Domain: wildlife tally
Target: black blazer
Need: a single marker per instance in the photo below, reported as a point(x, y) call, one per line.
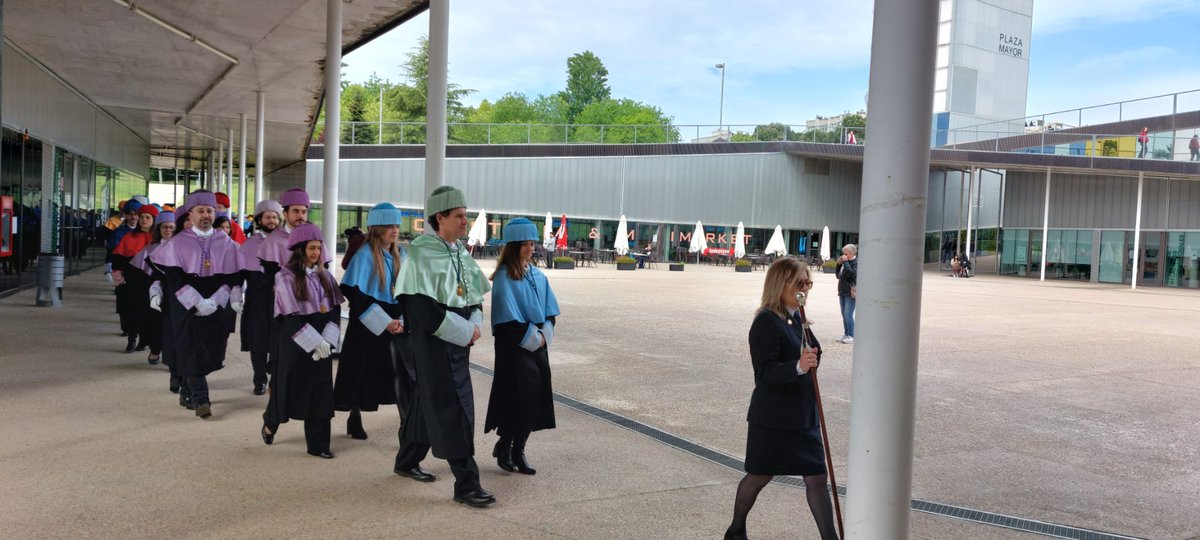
point(847, 274)
point(782, 398)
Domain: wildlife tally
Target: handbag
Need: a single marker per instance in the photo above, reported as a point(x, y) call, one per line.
point(854, 291)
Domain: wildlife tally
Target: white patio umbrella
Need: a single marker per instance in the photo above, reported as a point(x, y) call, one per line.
point(775, 245)
point(548, 232)
point(739, 242)
point(621, 244)
point(825, 245)
point(699, 243)
point(477, 236)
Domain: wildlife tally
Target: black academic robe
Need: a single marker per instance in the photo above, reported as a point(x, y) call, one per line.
point(442, 411)
point(199, 341)
point(269, 270)
point(522, 398)
point(258, 311)
point(365, 376)
point(302, 388)
point(152, 322)
point(133, 296)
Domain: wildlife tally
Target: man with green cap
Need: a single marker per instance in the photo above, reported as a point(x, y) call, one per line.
point(441, 289)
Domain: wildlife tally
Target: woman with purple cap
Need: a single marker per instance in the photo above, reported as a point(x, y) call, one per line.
point(308, 307)
point(132, 290)
point(260, 295)
point(152, 324)
point(200, 276)
point(376, 347)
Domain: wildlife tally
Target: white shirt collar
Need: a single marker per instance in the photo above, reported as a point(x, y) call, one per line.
point(311, 270)
point(204, 234)
point(287, 228)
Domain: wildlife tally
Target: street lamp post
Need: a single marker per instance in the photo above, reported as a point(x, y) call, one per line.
point(721, 117)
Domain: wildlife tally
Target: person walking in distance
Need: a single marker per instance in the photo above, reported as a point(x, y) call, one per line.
point(847, 274)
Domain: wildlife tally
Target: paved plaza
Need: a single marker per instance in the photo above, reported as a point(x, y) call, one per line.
point(1064, 403)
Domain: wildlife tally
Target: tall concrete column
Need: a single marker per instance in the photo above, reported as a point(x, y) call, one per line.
point(1045, 228)
point(209, 184)
point(229, 167)
point(219, 184)
point(970, 211)
point(1137, 234)
point(435, 104)
point(333, 101)
point(260, 146)
point(890, 270)
point(241, 201)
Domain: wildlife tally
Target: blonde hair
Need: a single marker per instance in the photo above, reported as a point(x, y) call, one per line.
point(377, 245)
point(782, 273)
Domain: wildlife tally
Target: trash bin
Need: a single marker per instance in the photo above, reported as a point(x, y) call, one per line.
point(51, 269)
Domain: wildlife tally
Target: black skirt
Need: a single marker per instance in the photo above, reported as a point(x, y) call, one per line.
point(784, 451)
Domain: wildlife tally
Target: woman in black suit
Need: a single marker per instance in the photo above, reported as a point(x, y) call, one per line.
point(783, 436)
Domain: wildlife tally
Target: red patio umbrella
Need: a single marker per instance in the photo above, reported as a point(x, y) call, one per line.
point(561, 239)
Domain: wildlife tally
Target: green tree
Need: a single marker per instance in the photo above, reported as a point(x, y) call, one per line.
point(587, 83)
point(773, 132)
point(356, 128)
point(410, 100)
point(623, 121)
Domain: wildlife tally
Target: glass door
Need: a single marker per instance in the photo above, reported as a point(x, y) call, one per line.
point(1151, 259)
point(1112, 248)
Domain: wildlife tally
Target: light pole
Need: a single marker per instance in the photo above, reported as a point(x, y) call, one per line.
point(721, 117)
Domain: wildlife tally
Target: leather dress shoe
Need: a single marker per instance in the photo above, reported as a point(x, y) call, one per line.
point(204, 410)
point(267, 437)
point(260, 389)
point(416, 473)
point(478, 498)
point(323, 455)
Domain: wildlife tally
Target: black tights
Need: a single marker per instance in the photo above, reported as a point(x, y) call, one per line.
point(819, 503)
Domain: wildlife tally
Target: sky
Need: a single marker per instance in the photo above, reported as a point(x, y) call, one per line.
point(786, 60)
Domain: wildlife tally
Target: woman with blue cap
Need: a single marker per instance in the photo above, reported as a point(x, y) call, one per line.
point(366, 376)
point(308, 307)
point(524, 311)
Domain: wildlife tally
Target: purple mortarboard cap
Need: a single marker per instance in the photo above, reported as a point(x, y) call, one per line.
point(304, 233)
point(201, 197)
point(268, 206)
point(294, 197)
point(164, 217)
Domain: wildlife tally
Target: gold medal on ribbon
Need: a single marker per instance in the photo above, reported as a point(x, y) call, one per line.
point(207, 264)
point(461, 292)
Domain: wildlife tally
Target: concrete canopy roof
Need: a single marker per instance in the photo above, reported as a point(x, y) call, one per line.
point(154, 80)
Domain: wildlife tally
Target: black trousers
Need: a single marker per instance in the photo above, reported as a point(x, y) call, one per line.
point(466, 472)
point(197, 388)
point(258, 361)
point(316, 432)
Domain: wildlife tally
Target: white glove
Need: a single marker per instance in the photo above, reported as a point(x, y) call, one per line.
point(109, 276)
point(237, 306)
point(156, 303)
point(321, 352)
point(206, 307)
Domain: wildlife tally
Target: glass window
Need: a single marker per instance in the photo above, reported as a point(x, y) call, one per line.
point(943, 56)
point(943, 33)
point(945, 10)
point(1112, 250)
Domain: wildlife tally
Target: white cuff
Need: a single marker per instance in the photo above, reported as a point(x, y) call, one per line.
point(330, 333)
point(532, 340)
point(455, 329)
point(548, 333)
point(188, 296)
point(307, 338)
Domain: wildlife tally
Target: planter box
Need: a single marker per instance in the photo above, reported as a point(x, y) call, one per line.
point(677, 267)
point(570, 265)
point(825, 270)
point(626, 266)
point(742, 268)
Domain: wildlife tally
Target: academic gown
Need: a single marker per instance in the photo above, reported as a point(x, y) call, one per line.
point(133, 296)
point(258, 309)
point(366, 378)
point(442, 411)
point(199, 341)
point(302, 388)
point(151, 331)
point(522, 398)
point(273, 254)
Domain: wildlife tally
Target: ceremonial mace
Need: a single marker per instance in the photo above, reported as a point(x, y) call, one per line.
point(837, 506)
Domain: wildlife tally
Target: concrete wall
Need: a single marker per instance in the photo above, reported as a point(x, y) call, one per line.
point(1101, 202)
point(762, 190)
point(52, 112)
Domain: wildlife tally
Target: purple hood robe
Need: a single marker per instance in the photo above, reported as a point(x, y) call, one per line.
point(188, 252)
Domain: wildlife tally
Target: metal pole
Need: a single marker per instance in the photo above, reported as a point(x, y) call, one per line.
point(241, 208)
point(958, 232)
point(260, 146)
point(379, 138)
point(220, 167)
point(1137, 234)
point(435, 104)
point(229, 177)
point(892, 224)
point(970, 210)
point(721, 116)
point(1045, 226)
point(333, 99)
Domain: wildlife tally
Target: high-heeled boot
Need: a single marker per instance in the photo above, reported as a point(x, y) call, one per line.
point(518, 454)
point(503, 453)
point(354, 426)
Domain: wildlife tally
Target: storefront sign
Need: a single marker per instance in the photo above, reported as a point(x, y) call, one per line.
point(1011, 45)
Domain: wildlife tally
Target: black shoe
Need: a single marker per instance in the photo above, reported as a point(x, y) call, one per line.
point(185, 401)
point(140, 346)
point(518, 455)
point(267, 437)
point(152, 360)
point(416, 473)
point(478, 498)
point(354, 426)
point(323, 455)
point(204, 410)
point(731, 535)
point(503, 454)
point(173, 386)
point(260, 389)
point(130, 344)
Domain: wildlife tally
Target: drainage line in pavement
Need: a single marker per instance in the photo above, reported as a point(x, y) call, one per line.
point(957, 512)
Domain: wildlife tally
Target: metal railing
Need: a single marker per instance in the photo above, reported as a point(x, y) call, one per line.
point(1119, 111)
point(1167, 145)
